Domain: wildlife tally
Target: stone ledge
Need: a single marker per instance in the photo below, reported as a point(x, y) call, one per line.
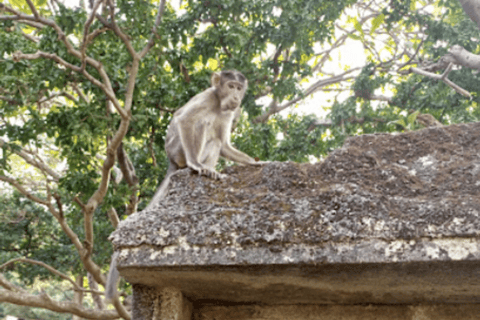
point(387, 219)
point(436, 312)
point(368, 251)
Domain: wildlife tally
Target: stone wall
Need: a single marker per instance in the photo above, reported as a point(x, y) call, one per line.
point(385, 224)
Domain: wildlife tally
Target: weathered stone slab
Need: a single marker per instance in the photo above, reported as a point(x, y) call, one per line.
point(311, 312)
point(385, 219)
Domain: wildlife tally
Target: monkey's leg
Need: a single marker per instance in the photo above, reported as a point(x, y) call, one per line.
point(193, 140)
point(162, 189)
point(209, 158)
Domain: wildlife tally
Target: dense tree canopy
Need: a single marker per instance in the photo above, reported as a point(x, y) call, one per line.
point(87, 92)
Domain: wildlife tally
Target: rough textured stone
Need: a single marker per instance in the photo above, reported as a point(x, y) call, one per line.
point(384, 219)
point(173, 306)
point(143, 301)
point(310, 312)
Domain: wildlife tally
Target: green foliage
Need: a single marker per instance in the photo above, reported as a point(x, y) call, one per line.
point(413, 93)
point(205, 36)
point(28, 230)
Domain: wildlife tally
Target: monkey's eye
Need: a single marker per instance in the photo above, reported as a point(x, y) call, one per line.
point(231, 86)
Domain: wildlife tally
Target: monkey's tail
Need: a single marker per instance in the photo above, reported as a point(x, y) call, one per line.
point(112, 279)
point(162, 190)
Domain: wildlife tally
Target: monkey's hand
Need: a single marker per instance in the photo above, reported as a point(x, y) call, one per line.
point(211, 174)
point(260, 163)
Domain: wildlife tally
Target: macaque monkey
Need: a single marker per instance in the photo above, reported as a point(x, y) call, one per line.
point(199, 132)
point(197, 136)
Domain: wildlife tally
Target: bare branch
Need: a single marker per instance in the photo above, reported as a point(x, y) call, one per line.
point(45, 302)
point(443, 78)
point(119, 31)
point(86, 27)
point(20, 188)
point(42, 166)
point(80, 93)
point(31, 23)
point(60, 94)
point(34, 10)
point(461, 56)
point(51, 269)
point(116, 170)
point(340, 41)
point(310, 90)
point(412, 57)
point(95, 33)
point(30, 37)
point(88, 263)
point(79, 202)
point(447, 71)
point(17, 56)
point(10, 286)
point(106, 86)
point(158, 19)
point(78, 295)
point(95, 296)
point(113, 216)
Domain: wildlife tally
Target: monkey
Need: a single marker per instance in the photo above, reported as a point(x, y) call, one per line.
point(198, 134)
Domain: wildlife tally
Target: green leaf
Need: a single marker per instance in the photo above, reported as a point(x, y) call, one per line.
point(411, 118)
point(398, 122)
point(354, 36)
point(377, 21)
point(358, 26)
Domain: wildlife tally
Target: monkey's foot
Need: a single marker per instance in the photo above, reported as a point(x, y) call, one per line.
point(209, 173)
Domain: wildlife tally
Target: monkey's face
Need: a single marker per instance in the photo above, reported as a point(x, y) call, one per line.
point(232, 95)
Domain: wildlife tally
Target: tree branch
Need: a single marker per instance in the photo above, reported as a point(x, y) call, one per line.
point(158, 19)
point(45, 302)
point(17, 56)
point(119, 31)
point(30, 160)
point(105, 86)
point(10, 286)
point(34, 10)
point(310, 90)
point(113, 216)
point(52, 270)
point(442, 77)
point(22, 190)
point(86, 27)
point(95, 296)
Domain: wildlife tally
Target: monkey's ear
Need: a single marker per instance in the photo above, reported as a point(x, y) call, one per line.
point(215, 79)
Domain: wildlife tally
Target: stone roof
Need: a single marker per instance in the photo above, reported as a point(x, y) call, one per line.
point(380, 199)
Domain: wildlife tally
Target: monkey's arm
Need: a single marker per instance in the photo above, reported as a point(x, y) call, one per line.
point(233, 154)
point(162, 189)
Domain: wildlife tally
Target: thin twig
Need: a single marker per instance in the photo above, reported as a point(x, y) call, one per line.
point(443, 78)
point(52, 270)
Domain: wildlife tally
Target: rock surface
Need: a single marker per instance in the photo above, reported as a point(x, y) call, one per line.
point(411, 198)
